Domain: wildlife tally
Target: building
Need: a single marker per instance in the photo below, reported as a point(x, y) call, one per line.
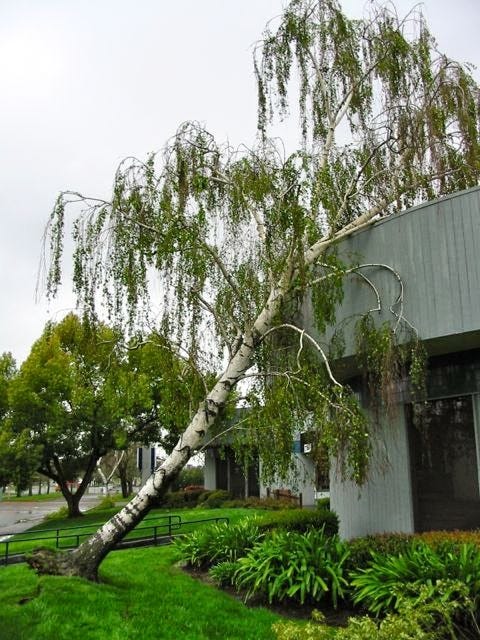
point(224, 471)
point(148, 457)
point(428, 478)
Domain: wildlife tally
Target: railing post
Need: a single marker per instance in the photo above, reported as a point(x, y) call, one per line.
point(6, 553)
point(155, 534)
point(56, 542)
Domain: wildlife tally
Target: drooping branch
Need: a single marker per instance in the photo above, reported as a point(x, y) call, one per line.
point(358, 271)
point(219, 322)
point(218, 436)
point(178, 351)
point(312, 340)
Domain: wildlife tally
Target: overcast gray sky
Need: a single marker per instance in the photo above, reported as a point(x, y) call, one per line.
point(84, 84)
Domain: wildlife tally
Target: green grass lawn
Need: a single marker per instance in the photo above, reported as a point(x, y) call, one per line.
point(93, 518)
point(142, 595)
point(53, 495)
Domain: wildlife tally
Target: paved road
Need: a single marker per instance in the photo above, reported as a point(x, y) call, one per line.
point(16, 517)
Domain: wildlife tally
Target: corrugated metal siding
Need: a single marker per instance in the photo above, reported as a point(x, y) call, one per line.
point(472, 250)
point(209, 472)
point(384, 503)
point(436, 250)
point(302, 480)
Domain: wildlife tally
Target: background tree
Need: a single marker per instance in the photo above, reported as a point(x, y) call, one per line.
point(7, 373)
point(80, 399)
point(174, 385)
point(18, 456)
point(84, 393)
point(121, 466)
point(107, 467)
point(240, 237)
point(189, 475)
point(127, 471)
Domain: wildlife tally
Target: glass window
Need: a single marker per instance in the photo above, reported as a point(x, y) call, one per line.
point(444, 465)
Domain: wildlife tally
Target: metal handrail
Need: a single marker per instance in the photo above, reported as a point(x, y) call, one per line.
point(173, 524)
point(84, 526)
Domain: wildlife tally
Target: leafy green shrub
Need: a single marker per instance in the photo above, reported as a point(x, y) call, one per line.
point(107, 502)
point(223, 573)
point(362, 628)
point(448, 608)
point(55, 515)
point(188, 476)
point(449, 540)
point(203, 496)
point(389, 579)
point(414, 621)
point(182, 499)
point(216, 499)
point(300, 520)
point(323, 503)
point(192, 496)
point(299, 567)
point(362, 549)
point(173, 500)
point(317, 629)
point(271, 504)
point(218, 543)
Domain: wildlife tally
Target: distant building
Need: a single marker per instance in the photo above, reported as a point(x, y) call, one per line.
point(224, 471)
point(148, 458)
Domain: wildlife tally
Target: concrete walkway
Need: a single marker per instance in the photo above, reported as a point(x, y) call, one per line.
point(16, 517)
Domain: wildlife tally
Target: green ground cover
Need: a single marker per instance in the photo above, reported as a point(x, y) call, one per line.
point(89, 522)
point(142, 595)
point(424, 587)
point(53, 495)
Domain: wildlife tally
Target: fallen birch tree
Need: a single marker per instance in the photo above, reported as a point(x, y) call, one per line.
point(239, 237)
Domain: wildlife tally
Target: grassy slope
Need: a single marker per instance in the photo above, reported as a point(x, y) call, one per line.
point(101, 515)
point(43, 497)
point(94, 517)
point(142, 596)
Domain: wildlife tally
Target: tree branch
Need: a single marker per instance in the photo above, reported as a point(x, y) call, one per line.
point(302, 332)
point(222, 433)
point(221, 327)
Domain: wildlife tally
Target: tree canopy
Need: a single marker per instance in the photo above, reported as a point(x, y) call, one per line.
point(82, 392)
point(239, 237)
point(18, 456)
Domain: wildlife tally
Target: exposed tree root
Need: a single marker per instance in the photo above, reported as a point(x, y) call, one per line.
point(50, 562)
